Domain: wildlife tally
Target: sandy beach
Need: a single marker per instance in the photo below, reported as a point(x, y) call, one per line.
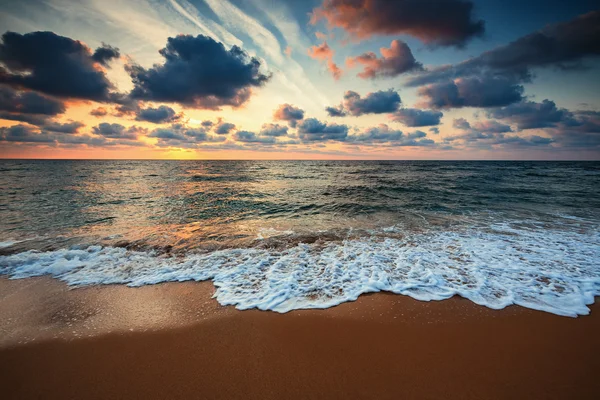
point(174, 341)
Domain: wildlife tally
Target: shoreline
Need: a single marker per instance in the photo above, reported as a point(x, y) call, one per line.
point(175, 341)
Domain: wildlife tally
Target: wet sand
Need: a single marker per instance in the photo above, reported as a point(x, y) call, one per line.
point(172, 341)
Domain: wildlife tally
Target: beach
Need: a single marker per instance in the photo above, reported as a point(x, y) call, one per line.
point(174, 341)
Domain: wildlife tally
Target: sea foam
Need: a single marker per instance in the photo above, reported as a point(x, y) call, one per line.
point(543, 269)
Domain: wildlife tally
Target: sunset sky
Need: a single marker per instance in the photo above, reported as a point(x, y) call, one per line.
point(311, 79)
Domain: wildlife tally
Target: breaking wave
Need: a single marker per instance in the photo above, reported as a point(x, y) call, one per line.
point(556, 271)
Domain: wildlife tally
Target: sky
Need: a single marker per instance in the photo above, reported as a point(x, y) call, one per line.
point(311, 79)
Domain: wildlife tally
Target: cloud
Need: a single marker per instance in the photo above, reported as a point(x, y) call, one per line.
point(532, 115)
point(461, 123)
point(62, 127)
point(99, 112)
point(251, 137)
point(160, 115)
point(580, 131)
point(324, 53)
point(396, 60)
point(335, 71)
point(103, 55)
point(569, 129)
point(54, 65)
point(311, 129)
point(474, 91)
point(493, 134)
point(481, 126)
point(198, 72)
point(379, 102)
point(384, 134)
point(289, 113)
point(440, 23)
point(321, 52)
point(274, 130)
point(25, 134)
point(482, 140)
point(320, 35)
point(223, 128)
point(33, 119)
point(35, 109)
point(117, 131)
point(562, 45)
point(29, 134)
point(336, 111)
point(417, 117)
point(29, 103)
point(180, 135)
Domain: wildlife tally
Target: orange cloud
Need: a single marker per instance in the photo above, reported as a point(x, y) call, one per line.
point(325, 53)
point(396, 60)
point(335, 70)
point(321, 52)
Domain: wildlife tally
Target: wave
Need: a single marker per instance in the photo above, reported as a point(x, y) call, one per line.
point(548, 270)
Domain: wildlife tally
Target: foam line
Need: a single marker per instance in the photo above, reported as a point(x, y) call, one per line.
point(542, 269)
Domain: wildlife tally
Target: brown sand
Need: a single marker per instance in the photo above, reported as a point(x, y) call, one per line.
point(382, 346)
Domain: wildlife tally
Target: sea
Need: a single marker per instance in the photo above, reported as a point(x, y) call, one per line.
point(287, 235)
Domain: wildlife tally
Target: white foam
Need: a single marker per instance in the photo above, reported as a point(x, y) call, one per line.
point(553, 271)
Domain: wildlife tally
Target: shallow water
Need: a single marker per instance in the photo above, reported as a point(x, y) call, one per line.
point(282, 235)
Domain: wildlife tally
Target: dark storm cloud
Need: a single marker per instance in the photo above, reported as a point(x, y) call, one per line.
point(198, 72)
point(54, 65)
point(571, 129)
point(379, 102)
point(311, 129)
point(384, 134)
point(417, 117)
point(29, 103)
point(289, 113)
point(435, 22)
point(532, 115)
point(105, 54)
point(117, 131)
point(274, 130)
point(223, 128)
point(580, 131)
point(473, 91)
point(33, 119)
point(493, 134)
point(562, 45)
point(160, 115)
point(394, 61)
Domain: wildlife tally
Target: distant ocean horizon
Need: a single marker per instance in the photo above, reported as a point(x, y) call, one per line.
point(292, 234)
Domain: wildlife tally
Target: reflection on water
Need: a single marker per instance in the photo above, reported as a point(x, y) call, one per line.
point(215, 204)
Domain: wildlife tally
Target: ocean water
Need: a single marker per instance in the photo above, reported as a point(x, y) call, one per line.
point(285, 235)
